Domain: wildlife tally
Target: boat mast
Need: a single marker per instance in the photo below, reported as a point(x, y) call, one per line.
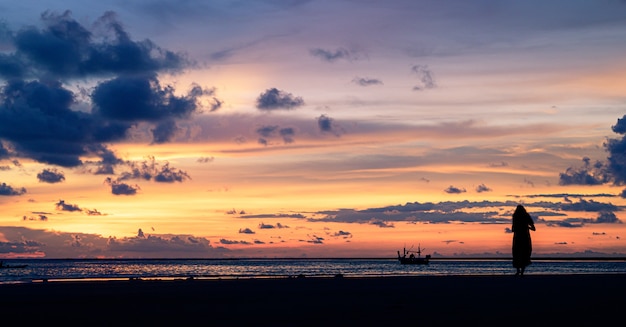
point(419, 250)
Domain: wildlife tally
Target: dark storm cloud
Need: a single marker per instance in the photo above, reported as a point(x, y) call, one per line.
point(65, 48)
point(6, 35)
point(142, 98)
point(164, 131)
point(51, 175)
point(274, 99)
point(37, 115)
point(620, 126)
point(588, 174)
point(617, 153)
point(10, 190)
point(36, 119)
point(11, 66)
point(425, 75)
point(600, 172)
point(108, 159)
point(362, 81)
point(4, 153)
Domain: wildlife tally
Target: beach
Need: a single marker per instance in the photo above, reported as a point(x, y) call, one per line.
point(531, 300)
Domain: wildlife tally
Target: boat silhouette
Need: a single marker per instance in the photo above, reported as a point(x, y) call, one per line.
point(412, 259)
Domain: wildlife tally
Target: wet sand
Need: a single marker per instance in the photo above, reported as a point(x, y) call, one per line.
point(532, 300)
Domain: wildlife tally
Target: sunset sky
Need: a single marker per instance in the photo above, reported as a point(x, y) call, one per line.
point(297, 128)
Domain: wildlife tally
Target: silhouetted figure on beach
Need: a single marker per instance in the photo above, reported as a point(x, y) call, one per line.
point(522, 244)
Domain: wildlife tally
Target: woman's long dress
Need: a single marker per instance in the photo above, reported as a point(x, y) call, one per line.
point(522, 244)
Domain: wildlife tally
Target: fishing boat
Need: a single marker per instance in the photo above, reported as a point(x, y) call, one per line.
point(412, 259)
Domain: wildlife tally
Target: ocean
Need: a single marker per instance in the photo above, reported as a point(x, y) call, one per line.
point(39, 270)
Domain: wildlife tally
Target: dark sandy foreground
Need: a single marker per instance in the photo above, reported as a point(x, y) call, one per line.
point(571, 300)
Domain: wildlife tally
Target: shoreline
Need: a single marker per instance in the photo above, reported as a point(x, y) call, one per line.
point(172, 278)
point(492, 300)
point(280, 277)
point(436, 258)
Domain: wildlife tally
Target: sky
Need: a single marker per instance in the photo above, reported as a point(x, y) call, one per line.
point(311, 128)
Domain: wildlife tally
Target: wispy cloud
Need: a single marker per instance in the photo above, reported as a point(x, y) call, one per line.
point(335, 55)
point(365, 81)
point(425, 76)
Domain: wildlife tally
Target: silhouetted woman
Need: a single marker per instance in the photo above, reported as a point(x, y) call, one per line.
point(522, 245)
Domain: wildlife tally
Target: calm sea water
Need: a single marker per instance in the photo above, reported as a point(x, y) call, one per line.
point(59, 270)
